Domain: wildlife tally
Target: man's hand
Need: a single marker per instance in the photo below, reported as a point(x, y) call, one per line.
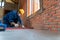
point(16, 25)
point(12, 23)
point(23, 26)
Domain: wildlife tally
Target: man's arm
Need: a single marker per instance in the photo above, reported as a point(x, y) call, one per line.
point(20, 21)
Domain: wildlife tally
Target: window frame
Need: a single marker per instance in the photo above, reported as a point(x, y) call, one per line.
point(41, 6)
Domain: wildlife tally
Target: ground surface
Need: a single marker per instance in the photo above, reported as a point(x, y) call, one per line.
point(29, 34)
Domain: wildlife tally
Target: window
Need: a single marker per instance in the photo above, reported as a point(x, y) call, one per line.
point(1, 3)
point(32, 6)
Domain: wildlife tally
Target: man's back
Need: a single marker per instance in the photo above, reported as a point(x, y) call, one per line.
point(10, 17)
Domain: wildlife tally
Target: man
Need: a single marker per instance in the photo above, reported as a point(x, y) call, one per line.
point(12, 19)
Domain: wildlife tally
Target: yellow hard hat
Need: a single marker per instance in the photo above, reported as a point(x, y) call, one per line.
point(21, 11)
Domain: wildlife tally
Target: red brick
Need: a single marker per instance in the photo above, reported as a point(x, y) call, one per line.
point(49, 18)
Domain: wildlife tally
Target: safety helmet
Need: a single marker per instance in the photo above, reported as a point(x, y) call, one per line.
point(21, 11)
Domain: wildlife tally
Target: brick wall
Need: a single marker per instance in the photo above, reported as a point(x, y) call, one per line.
point(50, 18)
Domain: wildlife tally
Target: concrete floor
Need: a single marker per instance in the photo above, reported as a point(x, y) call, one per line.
point(29, 34)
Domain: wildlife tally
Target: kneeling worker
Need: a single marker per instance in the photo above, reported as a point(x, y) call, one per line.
point(12, 19)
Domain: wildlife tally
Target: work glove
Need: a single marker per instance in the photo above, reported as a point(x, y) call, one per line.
point(23, 26)
point(16, 25)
